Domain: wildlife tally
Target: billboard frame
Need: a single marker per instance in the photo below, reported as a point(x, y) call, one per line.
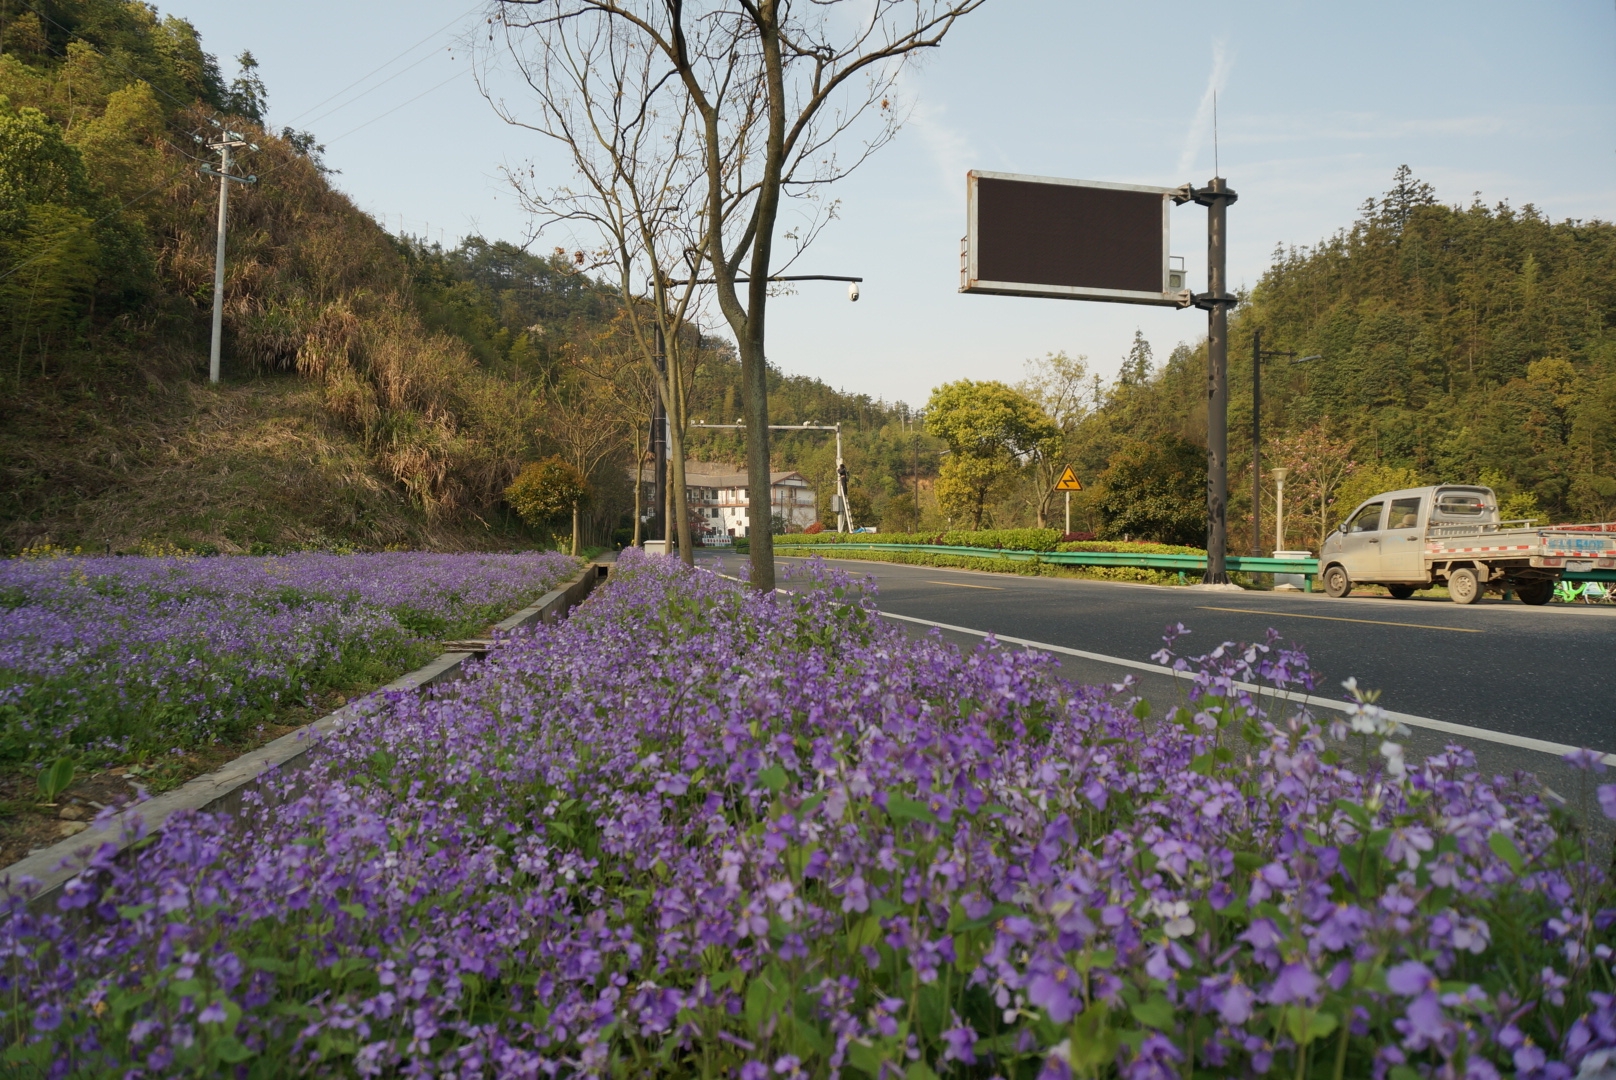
point(971, 282)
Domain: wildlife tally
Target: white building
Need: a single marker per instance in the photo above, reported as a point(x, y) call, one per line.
point(717, 497)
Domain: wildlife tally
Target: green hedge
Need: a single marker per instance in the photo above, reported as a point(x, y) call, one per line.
point(1133, 547)
point(1001, 539)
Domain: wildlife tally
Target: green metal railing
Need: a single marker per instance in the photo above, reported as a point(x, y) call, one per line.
point(1307, 568)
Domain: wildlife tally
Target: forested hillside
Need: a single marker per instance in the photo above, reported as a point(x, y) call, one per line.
point(381, 391)
point(1458, 343)
point(376, 391)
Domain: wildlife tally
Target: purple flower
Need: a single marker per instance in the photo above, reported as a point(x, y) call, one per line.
point(959, 1043)
point(1607, 799)
point(1585, 760)
point(1295, 982)
point(47, 1017)
point(1409, 978)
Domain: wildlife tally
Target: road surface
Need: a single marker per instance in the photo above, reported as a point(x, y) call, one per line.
point(1510, 671)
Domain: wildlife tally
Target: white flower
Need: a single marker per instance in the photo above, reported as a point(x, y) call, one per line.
point(1393, 753)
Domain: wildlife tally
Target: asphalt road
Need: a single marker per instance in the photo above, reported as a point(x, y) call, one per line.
point(1543, 673)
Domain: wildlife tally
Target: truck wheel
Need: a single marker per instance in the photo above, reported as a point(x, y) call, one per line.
point(1463, 586)
point(1535, 593)
point(1336, 582)
point(1400, 592)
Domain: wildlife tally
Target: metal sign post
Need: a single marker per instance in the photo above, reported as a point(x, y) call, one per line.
point(1067, 484)
point(1089, 240)
point(1216, 197)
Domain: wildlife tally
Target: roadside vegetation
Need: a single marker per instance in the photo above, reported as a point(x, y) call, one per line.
point(675, 844)
point(160, 666)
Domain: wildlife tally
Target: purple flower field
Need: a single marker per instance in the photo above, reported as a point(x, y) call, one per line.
point(105, 657)
point(693, 831)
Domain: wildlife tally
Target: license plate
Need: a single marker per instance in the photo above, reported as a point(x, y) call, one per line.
point(1579, 565)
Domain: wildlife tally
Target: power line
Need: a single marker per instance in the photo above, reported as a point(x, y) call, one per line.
point(373, 89)
point(400, 105)
point(384, 66)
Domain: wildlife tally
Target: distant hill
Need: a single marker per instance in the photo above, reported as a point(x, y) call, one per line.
point(1459, 343)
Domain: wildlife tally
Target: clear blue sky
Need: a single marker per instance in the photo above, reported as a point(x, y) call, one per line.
point(1317, 105)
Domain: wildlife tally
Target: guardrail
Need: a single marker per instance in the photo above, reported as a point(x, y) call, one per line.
point(1307, 568)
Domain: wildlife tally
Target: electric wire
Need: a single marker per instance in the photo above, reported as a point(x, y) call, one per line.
point(208, 161)
point(384, 66)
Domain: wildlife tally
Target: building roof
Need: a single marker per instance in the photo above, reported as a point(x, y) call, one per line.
point(720, 475)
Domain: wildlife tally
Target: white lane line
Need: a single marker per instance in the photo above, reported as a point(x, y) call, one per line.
point(1337, 618)
point(1522, 742)
point(962, 585)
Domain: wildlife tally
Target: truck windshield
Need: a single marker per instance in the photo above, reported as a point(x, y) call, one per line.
point(1461, 504)
point(1367, 519)
point(1405, 514)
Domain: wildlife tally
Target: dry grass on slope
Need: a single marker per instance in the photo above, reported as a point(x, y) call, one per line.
point(259, 465)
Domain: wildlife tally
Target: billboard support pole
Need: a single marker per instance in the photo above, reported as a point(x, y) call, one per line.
point(1216, 197)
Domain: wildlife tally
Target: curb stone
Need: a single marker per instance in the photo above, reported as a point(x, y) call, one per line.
point(223, 788)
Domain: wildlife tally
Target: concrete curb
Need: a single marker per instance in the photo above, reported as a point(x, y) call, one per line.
point(222, 789)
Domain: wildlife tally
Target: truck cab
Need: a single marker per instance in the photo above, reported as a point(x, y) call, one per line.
point(1382, 542)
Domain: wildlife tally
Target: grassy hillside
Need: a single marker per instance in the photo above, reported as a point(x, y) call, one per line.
point(254, 465)
point(344, 418)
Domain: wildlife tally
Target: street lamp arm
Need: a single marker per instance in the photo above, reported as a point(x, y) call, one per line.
point(777, 277)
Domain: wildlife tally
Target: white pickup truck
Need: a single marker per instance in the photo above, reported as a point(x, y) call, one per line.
point(1450, 534)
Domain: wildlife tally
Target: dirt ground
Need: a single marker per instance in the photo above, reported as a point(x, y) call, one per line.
point(29, 823)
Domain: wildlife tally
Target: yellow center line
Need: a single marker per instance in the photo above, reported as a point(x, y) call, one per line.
point(1335, 618)
point(962, 585)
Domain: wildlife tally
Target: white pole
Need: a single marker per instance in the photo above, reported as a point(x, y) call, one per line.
point(218, 264)
point(1068, 495)
point(1279, 511)
point(844, 517)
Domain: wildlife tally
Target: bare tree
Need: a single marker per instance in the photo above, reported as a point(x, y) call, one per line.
point(585, 424)
point(1055, 384)
point(635, 211)
point(774, 85)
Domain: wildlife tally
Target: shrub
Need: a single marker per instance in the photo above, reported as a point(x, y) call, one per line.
point(546, 492)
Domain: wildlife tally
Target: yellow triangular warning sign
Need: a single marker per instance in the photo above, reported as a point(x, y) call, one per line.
point(1068, 481)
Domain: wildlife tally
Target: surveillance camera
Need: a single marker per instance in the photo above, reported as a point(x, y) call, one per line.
point(852, 292)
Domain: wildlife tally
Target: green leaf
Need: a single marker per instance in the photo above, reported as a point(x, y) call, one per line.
point(356, 910)
point(228, 1048)
point(919, 1070)
point(1306, 1026)
point(867, 932)
point(55, 778)
point(1155, 1012)
point(902, 809)
point(765, 997)
point(1503, 846)
point(865, 1058)
point(774, 778)
point(1141, 709)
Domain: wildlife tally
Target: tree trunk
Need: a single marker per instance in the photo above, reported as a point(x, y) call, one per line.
point(575, 536)
point(639, 486)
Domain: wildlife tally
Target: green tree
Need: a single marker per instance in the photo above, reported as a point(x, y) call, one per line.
point(1139, 364)
point(546, 492)
point(1155, 491)
point(990, 430)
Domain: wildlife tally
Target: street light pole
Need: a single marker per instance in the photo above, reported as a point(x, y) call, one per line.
point(1258, 354)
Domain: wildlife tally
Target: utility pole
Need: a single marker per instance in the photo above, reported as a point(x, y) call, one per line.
point(844, 515)
point(228, 140)
point(1256, 442)
point(1216, 197)
point(1258, 354)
